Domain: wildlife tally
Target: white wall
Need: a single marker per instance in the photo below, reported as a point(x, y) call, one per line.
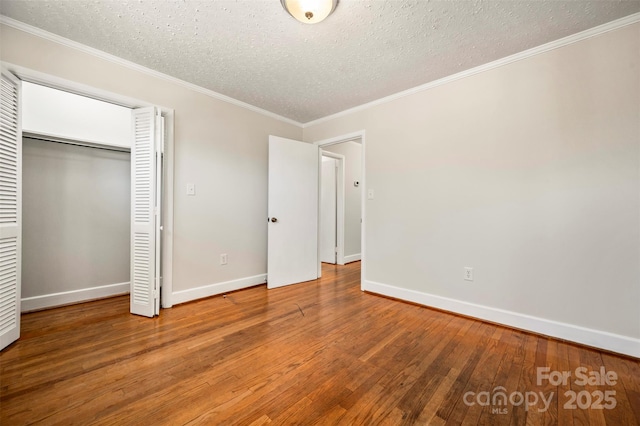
point(352, 152)
point(75, 223)
point(61, 114)
point(220, 147)
point(530, 174)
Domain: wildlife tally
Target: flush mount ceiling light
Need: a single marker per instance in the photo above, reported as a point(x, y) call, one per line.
point(309, 11)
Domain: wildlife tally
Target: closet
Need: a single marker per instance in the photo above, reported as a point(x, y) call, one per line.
point(76, 151)
point(76, 198)
point(75, 217)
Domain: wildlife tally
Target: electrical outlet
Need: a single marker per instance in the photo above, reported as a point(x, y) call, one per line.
point(223, 259)
point(468, 273)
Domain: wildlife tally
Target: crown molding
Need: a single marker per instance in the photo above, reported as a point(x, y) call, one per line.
point(583, 35)
point(10, 22)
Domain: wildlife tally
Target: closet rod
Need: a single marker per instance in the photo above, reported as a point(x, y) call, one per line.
point(65, 141)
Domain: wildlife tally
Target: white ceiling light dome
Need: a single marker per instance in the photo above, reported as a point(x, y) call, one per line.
point(309, 11)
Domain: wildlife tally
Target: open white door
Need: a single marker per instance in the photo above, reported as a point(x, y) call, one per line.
point(145, 161)
point(328, 210)
point(292, 255)
point(10, 209)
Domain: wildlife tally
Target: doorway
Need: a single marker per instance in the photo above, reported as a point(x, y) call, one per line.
point(293, 208)
point(352, 148)
point(347, 160)
point(76, 193)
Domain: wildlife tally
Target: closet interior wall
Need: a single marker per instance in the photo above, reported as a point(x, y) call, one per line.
point(76, 222)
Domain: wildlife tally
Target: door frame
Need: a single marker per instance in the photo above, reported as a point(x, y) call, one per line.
point(350, 137)
point(43, 79)
point(340, 190)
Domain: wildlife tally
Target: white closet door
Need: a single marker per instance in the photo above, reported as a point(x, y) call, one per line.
point(144, 212)
point(10, 209)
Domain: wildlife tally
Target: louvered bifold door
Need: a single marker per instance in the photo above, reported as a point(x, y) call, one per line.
point(143, 211)
point(10, 210)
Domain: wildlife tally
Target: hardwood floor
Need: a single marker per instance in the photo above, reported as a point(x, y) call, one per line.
point(321, 352)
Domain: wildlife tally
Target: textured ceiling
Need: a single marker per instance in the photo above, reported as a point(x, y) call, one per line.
point(253, 51)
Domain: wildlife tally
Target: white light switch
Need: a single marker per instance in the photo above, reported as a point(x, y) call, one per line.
point(370, 194)
point(191, 189)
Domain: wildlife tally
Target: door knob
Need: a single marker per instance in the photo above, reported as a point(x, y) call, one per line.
point(274, 220)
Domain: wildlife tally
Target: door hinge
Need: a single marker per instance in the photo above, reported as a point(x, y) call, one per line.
point(336, 250)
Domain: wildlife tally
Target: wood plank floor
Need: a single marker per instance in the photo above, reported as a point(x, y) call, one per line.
point(321, 352)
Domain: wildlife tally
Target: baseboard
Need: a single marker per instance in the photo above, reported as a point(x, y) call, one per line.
point(45, 301)
point(352, 258)
point(183, 296)
point(594, 338)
